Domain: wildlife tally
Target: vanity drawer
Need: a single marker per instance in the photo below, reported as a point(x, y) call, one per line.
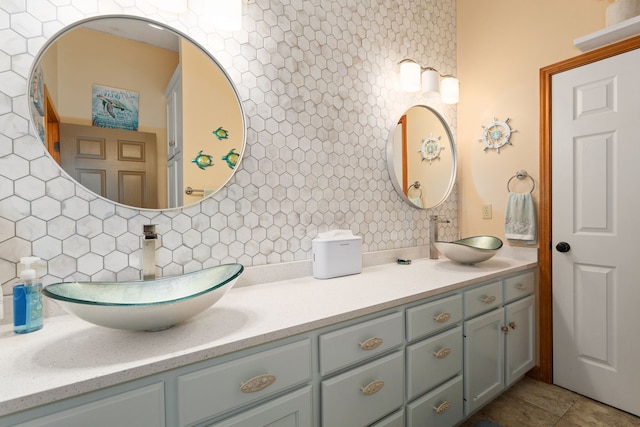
point(518, 286)
point(441, 407)
point(209, 392)
point(428, 318)
point(483, 298)
point(353, 344)
point(393, 420)
point(365, 394)
point(433, 361)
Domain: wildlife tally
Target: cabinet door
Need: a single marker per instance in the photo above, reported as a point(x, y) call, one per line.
point(519, 355)
point(483, 359)
point(291, 410)
point(141, 407)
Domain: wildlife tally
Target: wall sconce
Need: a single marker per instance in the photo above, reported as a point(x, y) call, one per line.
point(414, 77)
point(225, 14)
point(175, 6)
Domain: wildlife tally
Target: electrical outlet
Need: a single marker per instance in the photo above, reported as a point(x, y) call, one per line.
point(486, 211)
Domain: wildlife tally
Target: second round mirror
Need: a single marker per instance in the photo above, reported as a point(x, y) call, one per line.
point(421, 157)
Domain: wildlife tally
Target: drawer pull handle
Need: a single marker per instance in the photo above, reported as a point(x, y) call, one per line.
point(444, 407)
point(371, 343)
point(442, 353)
point(522, 287)
point(489, 299)
point(257, 383)
point(442, 317)
point(372, 388)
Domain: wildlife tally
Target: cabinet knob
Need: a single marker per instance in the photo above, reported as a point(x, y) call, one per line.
point(488, 299)
point(442, 317)
point(504, 329)
point(372, 388)
point(257, 383)
point(443, 407)
point(513, 325)
point(442, 353)
point(371, 343)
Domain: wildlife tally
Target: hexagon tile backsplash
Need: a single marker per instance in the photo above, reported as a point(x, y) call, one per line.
point(319, 84)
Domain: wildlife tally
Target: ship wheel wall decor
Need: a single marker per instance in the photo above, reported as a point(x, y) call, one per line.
point(496, 134)
point(431, 148)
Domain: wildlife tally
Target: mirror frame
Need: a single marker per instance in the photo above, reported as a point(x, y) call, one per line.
point(454, 159)
point(166, 27)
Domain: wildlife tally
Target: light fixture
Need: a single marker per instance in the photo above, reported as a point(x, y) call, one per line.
point(225, 14)
point(410, 75)
point(450, 90)
point(431, 83)
point(414, 77)
point(175, 6)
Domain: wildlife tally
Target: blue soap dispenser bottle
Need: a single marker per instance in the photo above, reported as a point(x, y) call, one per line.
point(27, 299)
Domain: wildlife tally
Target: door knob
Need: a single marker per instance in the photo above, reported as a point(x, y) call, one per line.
point(563, 247)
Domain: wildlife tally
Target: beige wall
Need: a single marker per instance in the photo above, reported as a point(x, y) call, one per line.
point(502, 44)
point(208, 103)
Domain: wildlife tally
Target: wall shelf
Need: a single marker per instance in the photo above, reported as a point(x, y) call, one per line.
point(608, 35)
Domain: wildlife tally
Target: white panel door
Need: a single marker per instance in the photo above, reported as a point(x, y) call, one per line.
point(595, 199)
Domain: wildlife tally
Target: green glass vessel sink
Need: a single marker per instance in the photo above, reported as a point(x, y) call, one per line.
point(149, 305)
point(471, 249)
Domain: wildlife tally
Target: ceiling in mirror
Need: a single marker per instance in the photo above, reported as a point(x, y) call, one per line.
point(137, 112)
point(421, 157)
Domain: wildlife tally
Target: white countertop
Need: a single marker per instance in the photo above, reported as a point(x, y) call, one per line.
point(69, 356)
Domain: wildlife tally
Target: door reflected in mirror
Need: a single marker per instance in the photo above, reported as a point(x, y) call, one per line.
point(421, 156)
point(136, 112)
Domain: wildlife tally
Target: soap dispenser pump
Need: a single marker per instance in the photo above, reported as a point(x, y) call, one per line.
point(27, 299)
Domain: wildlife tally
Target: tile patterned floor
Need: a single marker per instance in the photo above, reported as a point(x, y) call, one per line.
point(532, 403)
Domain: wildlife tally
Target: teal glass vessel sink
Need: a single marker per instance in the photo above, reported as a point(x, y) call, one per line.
point(471, 249)
point(149, 305)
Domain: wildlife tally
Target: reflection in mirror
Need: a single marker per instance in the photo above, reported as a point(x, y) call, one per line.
point(421, 156)
point(136, 112)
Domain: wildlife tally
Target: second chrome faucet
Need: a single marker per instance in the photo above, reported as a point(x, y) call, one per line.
point(434, 220)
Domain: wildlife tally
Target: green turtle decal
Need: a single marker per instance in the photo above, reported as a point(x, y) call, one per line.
point(231, 158)
point(203, 160)
point(221, 133)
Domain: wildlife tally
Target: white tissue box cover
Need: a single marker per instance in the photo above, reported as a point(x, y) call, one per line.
point(336, 253)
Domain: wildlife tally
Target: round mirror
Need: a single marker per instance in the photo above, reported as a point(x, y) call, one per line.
point(136, 112)
point(421, 157)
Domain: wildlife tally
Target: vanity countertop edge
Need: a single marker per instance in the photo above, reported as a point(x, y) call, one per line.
point(69, 357)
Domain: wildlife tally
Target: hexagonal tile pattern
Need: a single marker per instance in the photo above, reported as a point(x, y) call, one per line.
point(320, 91)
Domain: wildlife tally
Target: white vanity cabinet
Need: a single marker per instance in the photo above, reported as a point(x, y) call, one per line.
point(427, 362)
point(499, 343)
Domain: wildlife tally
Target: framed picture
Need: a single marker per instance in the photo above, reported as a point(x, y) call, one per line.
point(114, 108)
point(37, 91)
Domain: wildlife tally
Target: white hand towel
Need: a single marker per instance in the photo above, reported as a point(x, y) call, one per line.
point(417, 201)
point(520, 218)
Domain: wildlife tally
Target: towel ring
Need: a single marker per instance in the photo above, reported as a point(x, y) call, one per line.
point(522, 174)
point(415, 185)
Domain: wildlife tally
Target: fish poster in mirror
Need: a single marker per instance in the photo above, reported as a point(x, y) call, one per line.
point(138, 154)
point(421, 157)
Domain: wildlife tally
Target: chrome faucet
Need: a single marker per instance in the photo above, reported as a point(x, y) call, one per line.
point(149, 237)
point(434, 220)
